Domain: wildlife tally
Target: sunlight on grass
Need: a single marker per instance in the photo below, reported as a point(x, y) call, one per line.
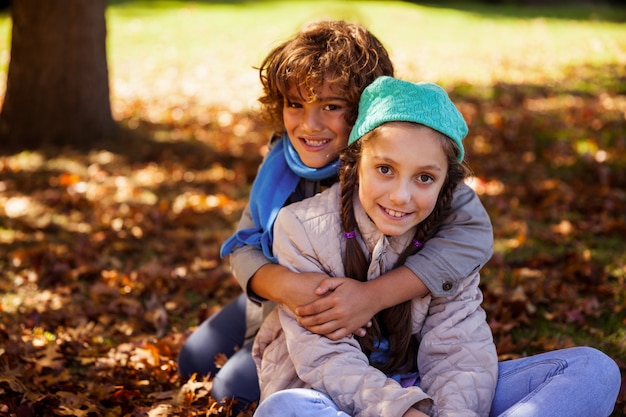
point(208, 51)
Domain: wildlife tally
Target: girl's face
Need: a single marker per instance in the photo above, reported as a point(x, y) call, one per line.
point(401, 173)
point(317, 130)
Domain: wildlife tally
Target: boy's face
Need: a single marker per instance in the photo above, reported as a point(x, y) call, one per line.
point(318, 129)
point(401, 173)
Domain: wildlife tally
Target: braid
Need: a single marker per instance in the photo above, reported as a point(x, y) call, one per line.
point(354, 260)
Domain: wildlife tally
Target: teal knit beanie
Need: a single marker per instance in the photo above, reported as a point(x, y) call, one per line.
point(392, 100)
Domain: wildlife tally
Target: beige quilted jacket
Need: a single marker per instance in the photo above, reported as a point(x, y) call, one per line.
point(457, 358)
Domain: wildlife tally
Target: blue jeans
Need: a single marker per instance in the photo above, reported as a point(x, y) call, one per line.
point(224, 332)
point(576, 382)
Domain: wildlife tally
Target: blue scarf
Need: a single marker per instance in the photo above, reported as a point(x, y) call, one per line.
point(276, 181)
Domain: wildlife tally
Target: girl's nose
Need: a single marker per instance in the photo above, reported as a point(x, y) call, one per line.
point(400, 193)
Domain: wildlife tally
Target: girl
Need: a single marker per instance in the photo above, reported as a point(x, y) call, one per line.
point(312, 84)
point(431, 355)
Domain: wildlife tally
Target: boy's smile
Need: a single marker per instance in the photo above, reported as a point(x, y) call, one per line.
point(317, 129)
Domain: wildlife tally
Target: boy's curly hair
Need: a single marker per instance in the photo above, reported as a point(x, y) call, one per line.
point(345, 55)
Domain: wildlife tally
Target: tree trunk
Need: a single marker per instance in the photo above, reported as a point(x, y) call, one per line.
point(58, 83)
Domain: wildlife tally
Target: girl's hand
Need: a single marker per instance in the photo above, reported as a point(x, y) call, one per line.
point(346, 307)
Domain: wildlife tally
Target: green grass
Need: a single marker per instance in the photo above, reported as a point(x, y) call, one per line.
point(216, 44)
point(441, 44)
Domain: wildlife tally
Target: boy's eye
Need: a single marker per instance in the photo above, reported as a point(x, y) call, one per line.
point(332, 107)
point(292, 104)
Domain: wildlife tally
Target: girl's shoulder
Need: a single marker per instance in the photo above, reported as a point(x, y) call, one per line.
point(324, 204)
point(314, 223)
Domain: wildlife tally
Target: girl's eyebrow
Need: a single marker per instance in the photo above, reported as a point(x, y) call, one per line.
point(430, 167)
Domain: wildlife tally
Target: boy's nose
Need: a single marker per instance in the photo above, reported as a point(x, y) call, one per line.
point(313, 121)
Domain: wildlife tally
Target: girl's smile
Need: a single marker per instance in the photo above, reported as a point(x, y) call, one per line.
point(394, 213)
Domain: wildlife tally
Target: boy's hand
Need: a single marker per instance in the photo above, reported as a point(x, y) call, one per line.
point(277, 283)
point(302, 289)
point(345, 308)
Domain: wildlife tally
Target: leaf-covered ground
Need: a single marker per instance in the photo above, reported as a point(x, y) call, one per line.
point(109, 258)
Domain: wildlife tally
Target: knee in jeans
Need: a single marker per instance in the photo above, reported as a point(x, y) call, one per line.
point(295, 399)
point(598, 362)
point(599, 367)
point(186, 365)
point(607, 366)
point(281, 400)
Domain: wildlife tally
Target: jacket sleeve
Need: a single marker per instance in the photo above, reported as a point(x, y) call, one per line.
point(337, 368)
point(246, 260)
point(463, 244)
point(457, 358)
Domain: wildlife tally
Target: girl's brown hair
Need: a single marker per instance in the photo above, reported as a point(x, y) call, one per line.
point(394, 322)
point(345, 55)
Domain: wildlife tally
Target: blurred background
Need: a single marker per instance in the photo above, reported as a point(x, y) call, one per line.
point(129, 139)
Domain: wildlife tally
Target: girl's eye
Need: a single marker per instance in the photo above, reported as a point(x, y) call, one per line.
point(425, 178)
point(384, 169)
point(332, 107)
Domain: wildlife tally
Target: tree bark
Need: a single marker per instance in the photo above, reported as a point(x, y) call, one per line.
point(58, 83)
